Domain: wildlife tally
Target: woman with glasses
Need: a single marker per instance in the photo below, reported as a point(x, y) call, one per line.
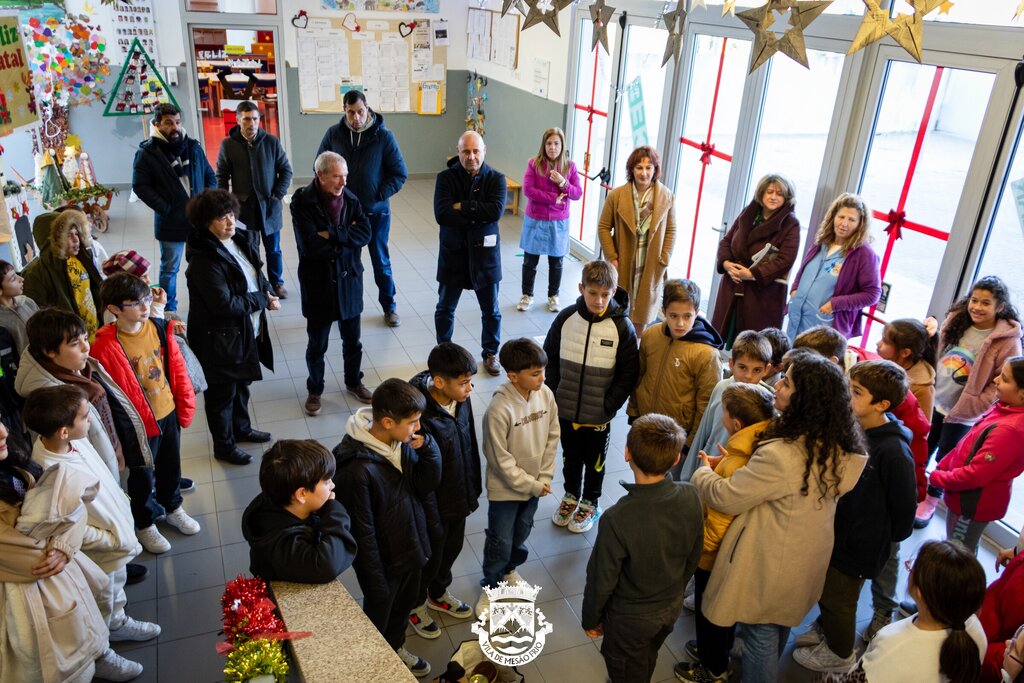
point(227, 323)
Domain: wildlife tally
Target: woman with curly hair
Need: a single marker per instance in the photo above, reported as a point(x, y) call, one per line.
point(784, 501)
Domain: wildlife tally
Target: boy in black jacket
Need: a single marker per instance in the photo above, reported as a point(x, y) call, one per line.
point(448, 417)
point(295, 528)
point(877, 513)
point(386, 476)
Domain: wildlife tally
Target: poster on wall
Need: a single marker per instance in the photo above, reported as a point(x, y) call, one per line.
point(134, 21)
point(432, 6)
point(17, 99)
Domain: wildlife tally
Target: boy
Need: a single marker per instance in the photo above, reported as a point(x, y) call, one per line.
point(295, 528)
point(745, 412)
point(143, 358)
point(877, 513)
point(826, 341)
point(60, 415)
point(520, 439)
point(780, 344)
point(385, 473)
point(593, 367)
point(448, 417)
point(635, 581)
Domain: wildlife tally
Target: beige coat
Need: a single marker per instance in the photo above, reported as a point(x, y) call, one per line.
point(617, 231)
point(771, 565)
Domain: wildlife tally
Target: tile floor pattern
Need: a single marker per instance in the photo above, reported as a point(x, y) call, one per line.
point(184, 586)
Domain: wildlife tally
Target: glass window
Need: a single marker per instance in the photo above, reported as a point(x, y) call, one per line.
point(233, 6)
point(846, 7)
point(990, 13)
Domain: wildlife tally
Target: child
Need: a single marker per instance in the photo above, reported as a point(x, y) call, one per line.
point(978, 474)
point(750, 360)
point(448, 417)
point(520, 439)
point(746, 411)
point(295, 528)
point(635, 581)
point(143, 358)
point(980, 332)
point(593, 368)
point(679, 363)
point(131, 261)
point(60, 415)
point(780, 346)
point(877, 513)
point(385, 471)
point(15, 307)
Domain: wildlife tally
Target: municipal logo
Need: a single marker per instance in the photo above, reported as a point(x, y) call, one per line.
point(512, 630)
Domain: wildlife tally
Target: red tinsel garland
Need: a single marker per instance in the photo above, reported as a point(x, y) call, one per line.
point(248, 612)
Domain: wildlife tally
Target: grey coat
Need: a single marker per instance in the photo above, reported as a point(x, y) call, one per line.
point(257, 171)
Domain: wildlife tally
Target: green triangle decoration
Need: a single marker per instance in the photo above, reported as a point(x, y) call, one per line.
point(139, 87)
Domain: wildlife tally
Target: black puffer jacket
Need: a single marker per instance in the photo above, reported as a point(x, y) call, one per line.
point(460, 488)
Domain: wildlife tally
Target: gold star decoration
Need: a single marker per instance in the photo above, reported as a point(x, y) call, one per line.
point(698, 3)
point(1020, 10)
point(946, 6)
point(674, 22)
point(791, 43)
point(601, 14)
point(544, 12)
point(729, 7)
point(906, 29)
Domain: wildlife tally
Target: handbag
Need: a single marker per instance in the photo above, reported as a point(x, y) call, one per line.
point(192, 366)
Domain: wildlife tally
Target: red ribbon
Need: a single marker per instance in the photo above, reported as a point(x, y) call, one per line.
point(706, 150)
point(896, 221)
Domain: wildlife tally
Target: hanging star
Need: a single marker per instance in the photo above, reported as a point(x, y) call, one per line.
point(674, 22)
point(506, 5)
point(729, 7)
point(946, 6)
point(600, 14)
point(1020, 10)
point(698, 3)
point(544, 12)
point(906, 29)
point(791, 43)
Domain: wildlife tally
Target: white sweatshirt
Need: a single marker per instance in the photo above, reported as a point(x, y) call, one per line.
point(520, 440)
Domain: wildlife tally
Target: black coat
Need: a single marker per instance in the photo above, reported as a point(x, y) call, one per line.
point(157, 185)
point(467, 257)
point(283, 547)
point(263, 161)
point(329, 265)
point(220, 330)
point(461, 486)
point(389, 521)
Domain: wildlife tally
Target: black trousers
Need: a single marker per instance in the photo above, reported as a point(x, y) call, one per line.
point(156, 490)
point(390, 614)
point(437, 573)
point(227, 413)
point(530, 262)
point(318, 336)
point(584, 451)
point(631, 642)
point(714, 642)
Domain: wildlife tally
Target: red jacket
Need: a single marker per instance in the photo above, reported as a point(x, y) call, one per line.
point(108, 351)
point(1001, 614)
point(994, 467)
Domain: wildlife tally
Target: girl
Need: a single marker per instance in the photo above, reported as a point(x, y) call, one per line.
point(980, 332)
point(550, 182)
point(785, 502)
point(839, 275)
point(15, 307)
point(1002, 614)
point(978, 474)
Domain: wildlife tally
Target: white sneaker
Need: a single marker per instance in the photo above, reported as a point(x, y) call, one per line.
point(586, 514)
point(152, 540)
point(811, 637)
point(553, 304)
point(821, 658)
point(114, 667)
point(417, 665)
point(423, 624)
point(132, 629)
point(690, 602)
point(483, 604)
point(524, 303)
point(180, 520)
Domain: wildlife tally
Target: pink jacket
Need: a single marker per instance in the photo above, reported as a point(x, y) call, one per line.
point(542, 193)
point(980, 393)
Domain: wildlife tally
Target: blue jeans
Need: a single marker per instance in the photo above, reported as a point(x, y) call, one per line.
point(509, 523)
point(275, 263)
point(762, 646)
point(444, 315)
point(380, 257)
point(170, 260)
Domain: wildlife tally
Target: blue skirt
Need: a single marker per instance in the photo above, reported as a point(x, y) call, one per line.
point(549, 238)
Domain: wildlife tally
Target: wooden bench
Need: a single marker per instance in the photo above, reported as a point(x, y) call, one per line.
point(514, 190)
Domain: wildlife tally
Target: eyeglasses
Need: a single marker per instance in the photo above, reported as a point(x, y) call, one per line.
point(144, 302)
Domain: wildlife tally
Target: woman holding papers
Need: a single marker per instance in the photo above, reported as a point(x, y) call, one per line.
point(755, 256)
point(839, 275)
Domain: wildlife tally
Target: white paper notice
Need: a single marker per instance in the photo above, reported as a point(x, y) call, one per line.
point(308, 95)
point(440, 29)
point(541, 71)
point(436, 72)
point(377, 25)
point(430, 98)
point(402, 100)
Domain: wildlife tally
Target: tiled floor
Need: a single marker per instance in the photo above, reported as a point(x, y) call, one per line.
point(184, 586)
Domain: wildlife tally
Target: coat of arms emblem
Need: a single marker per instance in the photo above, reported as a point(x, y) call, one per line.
point(512, 630)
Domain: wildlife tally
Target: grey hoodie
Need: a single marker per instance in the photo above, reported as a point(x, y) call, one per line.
point(358, 428)
point(520, 440)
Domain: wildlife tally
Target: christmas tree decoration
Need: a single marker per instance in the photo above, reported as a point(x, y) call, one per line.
point(674, 22)
point(905, 29)
point(68, 58)
point(53, 183)
point(601, 14)
point(139, 87)
point(544, 12)
point(767, 41)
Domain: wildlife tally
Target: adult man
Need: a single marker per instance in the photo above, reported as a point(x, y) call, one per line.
point(469, 198)
point(330, 230)
point(169, 169)
point(254, 164)
point(378, 171)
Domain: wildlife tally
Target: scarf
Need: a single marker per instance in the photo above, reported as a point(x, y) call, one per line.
point(333, 205)
point(174, 151)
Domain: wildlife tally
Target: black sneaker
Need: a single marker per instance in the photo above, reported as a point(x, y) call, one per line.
point(691, 651)
point(136, 573)
point(695, 672)
point(186, 485)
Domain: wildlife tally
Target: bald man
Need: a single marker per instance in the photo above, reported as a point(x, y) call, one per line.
point(469, 199)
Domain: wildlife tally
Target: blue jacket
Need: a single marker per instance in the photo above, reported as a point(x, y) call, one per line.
point(376, 167)
point(269, 174)
point(158, 186)
point(470, 254)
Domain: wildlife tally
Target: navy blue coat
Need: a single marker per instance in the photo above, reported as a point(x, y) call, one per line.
point(157, 185)
point(376, 167)
point(470, 255)
point(329, 265)
point(269, 172)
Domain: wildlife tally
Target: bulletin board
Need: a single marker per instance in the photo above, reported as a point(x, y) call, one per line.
point(393, 61)
point(493, 38)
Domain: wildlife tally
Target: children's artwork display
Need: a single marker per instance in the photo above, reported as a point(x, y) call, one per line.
point(67, 55)
point(139, 87)
point(431, 6)
point(134, 20)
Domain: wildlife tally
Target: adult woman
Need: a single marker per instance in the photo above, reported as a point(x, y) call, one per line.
point(227, 326)
point(839, 274)
point(752, 297)
point(637, 230)
point(549, 183)
point(773, 559)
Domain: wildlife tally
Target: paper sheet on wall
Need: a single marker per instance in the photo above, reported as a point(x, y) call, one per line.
point(504, 40)
point(430, 98)
point(308, 93)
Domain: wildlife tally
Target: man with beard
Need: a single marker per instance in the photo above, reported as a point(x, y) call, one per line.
point(170, 168)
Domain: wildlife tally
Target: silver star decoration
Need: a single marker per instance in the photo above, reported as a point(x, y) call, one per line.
point(544, 12)
point(601, 14)
point(791, 43)
point(506, 5)
point(674, 22)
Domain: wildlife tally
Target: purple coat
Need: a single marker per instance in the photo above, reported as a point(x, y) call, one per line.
point(858, 286)
point(541, 193)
